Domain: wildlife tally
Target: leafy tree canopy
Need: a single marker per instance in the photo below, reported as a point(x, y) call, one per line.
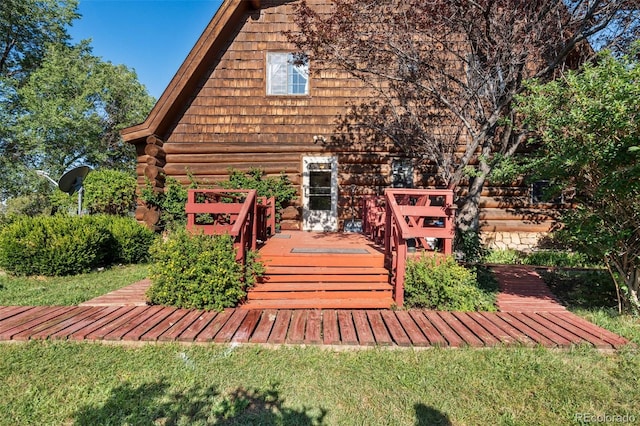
point(588, 130)
point(60, 106)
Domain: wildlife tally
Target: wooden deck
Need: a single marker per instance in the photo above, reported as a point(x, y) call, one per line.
point(415, 328)
point(316, 270)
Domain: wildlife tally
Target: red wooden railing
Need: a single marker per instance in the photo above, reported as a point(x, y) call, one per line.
point(408, 219)
point(239, 213)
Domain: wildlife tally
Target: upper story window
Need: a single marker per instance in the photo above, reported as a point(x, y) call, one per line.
point(286, 75)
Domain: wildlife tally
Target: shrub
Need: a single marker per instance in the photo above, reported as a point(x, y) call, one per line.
point(69, 245)
point(171, 203)
point(560, 259)
point(199, 271)
point(110, 191)
point(131, 241)
point(441, 283)
point(53, 245)
point(503, 256)
point(280, 188)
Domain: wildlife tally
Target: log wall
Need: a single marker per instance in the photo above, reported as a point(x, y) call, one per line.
point(230, 122)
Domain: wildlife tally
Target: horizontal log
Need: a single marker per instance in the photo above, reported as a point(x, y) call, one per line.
point(154, 140)
point(257, 158)
point(516, 226)
point(527, 215)
point(153, 173)
point(223, 169)
point(155, 151)
point(522, 202)
point(153, 161)
point(240, 147)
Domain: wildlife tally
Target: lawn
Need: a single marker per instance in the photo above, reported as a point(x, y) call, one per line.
point(94, 384)
point(67, 290)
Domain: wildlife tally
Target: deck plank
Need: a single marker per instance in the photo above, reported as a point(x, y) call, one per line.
point(112, 322)
point(11, 311)
point(313, 334)
point(280, 327)
point(42, 330)
point(432, 334)
point(174, 332)
point(515, 334)
point(599, 332)
point(412, 330)
point(330, 330)
point(297, 328)
point(363, 329)
point(567, 329)
point(262, 331)
point(197, 326)
point(136, 322)
point(31, 320)
point(348, 335)
point(458, 326)
point(398, 334)
point(379, 329)
point(153, 333)
point(246, 327)
point(157, 316)
point(228, 330)
point(208, 333)
point(82, 326)
point(556, 338)
point(443, 328)
point(487, 338)
point(524, 329)
point(495, 331)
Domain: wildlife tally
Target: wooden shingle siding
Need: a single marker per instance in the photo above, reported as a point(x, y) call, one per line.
point(216, 115)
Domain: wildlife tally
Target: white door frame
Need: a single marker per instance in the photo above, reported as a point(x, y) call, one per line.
point(324, 219)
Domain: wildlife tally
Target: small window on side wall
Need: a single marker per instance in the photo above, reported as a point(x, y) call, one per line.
point(287, 74)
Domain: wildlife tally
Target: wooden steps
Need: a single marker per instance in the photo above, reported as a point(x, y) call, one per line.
point(334, 273)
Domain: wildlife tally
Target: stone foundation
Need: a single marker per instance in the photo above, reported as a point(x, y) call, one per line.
point(521, 241)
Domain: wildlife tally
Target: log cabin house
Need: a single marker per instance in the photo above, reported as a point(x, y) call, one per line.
point(239, 102)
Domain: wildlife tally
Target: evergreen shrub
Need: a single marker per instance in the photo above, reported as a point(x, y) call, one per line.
point(433, 282)
point(199, 271)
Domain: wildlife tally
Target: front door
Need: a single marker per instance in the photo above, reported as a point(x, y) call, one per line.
point(320, 194)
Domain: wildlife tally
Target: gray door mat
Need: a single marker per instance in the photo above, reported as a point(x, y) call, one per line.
point(282, 236)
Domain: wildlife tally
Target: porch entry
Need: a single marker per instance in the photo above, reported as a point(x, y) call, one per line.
point(319, 193)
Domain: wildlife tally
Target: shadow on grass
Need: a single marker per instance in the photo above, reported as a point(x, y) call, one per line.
point(155, 404)
point(429, 416)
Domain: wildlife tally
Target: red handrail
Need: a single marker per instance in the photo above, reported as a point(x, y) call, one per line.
point(418, 215)
point(229, 211)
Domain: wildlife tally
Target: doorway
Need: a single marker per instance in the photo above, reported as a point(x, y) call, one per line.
point(319, 194)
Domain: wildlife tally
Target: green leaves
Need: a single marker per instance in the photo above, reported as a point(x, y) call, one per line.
point(587, 127)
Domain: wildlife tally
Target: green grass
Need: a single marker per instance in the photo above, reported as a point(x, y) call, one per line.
point(69, 290)
point(93, 384)
point(551, 258)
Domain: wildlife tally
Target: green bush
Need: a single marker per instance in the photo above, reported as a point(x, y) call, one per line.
point(110, 191)
point(131, 241)
point(199, 271)
point(280, 188)
point(53, 245)
point(441, 283)
point(503, 256)
point(171, 203)
point(560, 259)
point(69, 245)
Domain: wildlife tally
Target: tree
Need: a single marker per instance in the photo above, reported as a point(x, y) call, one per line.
point(71, 110)
point(444, 73)
point(588, 127)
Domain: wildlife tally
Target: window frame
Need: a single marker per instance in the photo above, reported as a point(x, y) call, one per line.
point(289, 75)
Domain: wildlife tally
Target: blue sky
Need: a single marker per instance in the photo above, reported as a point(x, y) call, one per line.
point(151, 36)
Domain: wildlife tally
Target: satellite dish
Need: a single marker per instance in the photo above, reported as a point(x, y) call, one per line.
point(71, 181)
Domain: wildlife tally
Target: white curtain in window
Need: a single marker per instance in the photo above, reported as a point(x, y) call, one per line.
point(277, 74)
